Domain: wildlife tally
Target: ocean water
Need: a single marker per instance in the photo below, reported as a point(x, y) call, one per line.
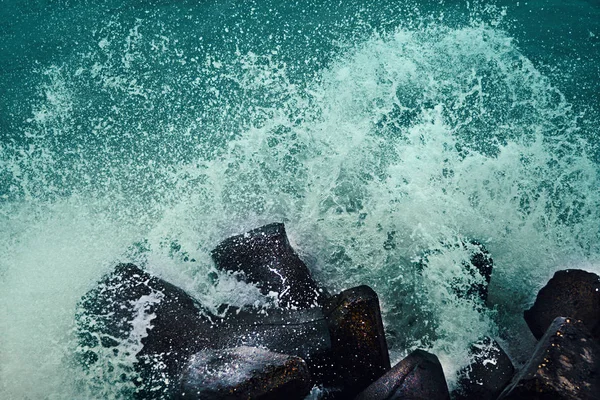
point(383, 133)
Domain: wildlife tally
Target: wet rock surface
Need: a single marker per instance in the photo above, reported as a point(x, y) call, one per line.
point(574, 293)
point(487, 375)
point(180, 350)
point(162, 326)
point(303, 333)
point(479, 267)
point(360, 353)
point(565, 366)
point(155, 318)
point(483, 264)
point(418, 377)
point(244, 373)
point(267, 259)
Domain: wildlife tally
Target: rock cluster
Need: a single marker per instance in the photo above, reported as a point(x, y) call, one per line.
point(566, 361)
point(564, 365)
point(336, 342)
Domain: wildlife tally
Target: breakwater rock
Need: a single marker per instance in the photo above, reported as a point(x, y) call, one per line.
point(489, 372)
point(570, 293)
point(418, 376)
point(565, 365)
point(180, 350)
point(244, 373)
point(266, 258)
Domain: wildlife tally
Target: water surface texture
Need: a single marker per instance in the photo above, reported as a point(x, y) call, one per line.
point(383, 133)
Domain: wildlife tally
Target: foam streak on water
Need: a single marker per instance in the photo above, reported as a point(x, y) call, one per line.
point(151, 145)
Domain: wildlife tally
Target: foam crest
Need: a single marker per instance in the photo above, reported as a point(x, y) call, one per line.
point(382, 165)
point(412, 142)
point(51, 260)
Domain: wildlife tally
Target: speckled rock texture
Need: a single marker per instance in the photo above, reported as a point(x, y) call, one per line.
point(244, 373)
point(572, 292)
point(565, 366)
point(360, 353)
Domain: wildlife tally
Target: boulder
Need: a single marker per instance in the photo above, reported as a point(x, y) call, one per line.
point(489, 372)
point(360, 353)
point(483, 264)
point(571, 292)
point(565, 366)
point(303, 333)
point(474, 285)
point(160, 324)
point(266, 258)
point(418, 377)
point(244, 373)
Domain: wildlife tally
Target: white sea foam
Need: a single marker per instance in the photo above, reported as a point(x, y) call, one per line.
point(408, 143)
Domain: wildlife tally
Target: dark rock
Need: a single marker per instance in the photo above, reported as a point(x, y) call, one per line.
point(303, 333)
point(484, 265)
point(474, 284)
point(565, 366)
point(244, 373)
point(418, 377)
point(266, 258)
point(162, 326)
point(132, 307)
point(571, 292)
point(489, 373)
point(360, 353)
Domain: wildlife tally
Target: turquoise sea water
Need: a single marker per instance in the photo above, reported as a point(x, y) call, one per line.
point(378, 131)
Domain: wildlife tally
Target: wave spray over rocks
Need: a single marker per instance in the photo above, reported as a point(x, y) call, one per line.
point(322, 199)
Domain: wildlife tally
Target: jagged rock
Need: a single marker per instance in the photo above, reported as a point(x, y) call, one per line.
point(571, 292)
point(160, 323)
point(360, 353)
point(244, 373)
point(489, 373)
point(418, 377)
point(565, 366)
point(266, 258)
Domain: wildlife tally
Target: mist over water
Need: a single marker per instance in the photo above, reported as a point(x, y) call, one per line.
point(383, 135)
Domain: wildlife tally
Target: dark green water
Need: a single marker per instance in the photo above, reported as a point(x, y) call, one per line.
point(148, 131)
